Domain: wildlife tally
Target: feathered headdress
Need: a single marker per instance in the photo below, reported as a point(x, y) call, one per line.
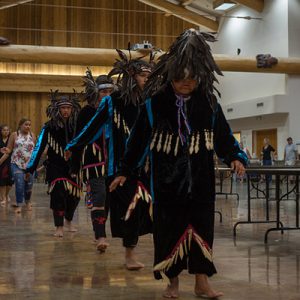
point(188, 57)
point(92, 86)
point(126, 68)
point(57, 100)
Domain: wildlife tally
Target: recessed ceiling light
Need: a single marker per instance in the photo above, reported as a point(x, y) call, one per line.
point(225, 6)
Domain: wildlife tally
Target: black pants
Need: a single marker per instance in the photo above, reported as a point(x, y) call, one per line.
point(98, 216)
point(63, 204)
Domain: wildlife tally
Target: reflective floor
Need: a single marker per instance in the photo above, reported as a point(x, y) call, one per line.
point(35, 265)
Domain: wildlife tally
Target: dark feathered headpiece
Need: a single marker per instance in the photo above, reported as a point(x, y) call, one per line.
point(126, 68)
point(58, 100)
point(92, 86)
point(189, 56)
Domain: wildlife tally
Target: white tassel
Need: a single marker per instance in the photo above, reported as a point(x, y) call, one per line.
point(191, 150)
point(158, 147)
point(169, 144)
point(197, 148)
point(99, 155)
point(153, 140)
point(115, 116)
point(176, 146)
point(119, 121)
point(83, 154)
point(166, 143)
point(211, 140)
point(207, 145)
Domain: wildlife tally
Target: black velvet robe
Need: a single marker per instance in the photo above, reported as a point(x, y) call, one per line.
point(58, 177)
point(182, 177)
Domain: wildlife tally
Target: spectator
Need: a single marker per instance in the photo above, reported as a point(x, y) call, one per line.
point(268, 154)
point(21, 144)
point(5, 174)
point(290, 153)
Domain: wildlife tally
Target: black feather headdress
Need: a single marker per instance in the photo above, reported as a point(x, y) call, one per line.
point(188, 57)
point(92, 86)
point(126, 69)
point(56, 101)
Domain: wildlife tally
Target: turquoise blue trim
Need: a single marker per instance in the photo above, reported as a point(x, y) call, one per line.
point(243, 156)
point(99, 110)
point(36, 148)
point(109, 133)
point(149, 111)
point(106, 132)
point(151, 177)
point(150, 117)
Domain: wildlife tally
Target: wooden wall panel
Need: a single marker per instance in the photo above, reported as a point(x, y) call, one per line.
point(75, 27)
point(19, 105)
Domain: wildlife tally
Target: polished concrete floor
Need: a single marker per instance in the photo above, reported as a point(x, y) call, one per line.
point(35, 265)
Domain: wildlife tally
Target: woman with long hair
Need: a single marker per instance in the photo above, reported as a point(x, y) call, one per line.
point(5, 174)
point(20, 145)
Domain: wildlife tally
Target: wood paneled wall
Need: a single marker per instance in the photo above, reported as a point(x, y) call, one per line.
point(62, 25)
point(15, 106)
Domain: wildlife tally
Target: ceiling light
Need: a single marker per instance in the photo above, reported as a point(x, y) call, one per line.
point(225, 6)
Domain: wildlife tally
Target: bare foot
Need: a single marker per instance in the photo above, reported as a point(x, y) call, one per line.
point(203, 288)
point(29, 206)
point(18, 209)
point(102, 244)
point(131, 262)
point(59, 232)
point(172, 288)
point(69, 226)
point(133, 265)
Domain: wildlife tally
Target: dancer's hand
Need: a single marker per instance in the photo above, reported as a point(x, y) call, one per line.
point(67, 155)
point(118, 181)
point(238, 168)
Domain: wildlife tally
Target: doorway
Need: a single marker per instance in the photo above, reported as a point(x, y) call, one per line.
point(258, 138)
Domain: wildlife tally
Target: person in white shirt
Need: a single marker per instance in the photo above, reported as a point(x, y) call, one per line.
point(290, 153)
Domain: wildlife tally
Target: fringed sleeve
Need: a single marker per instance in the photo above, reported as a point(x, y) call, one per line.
point(85, 115)
point(226, 146)
point(93, 129)
point(38, 150)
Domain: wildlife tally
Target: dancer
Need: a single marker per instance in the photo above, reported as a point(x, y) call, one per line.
point(64, 191)
point(92, 158)
point(117, 113)
point(182, 125)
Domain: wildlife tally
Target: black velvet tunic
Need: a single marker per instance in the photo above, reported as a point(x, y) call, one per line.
point(117, 119)
point(57, 168)
point(182, 177)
